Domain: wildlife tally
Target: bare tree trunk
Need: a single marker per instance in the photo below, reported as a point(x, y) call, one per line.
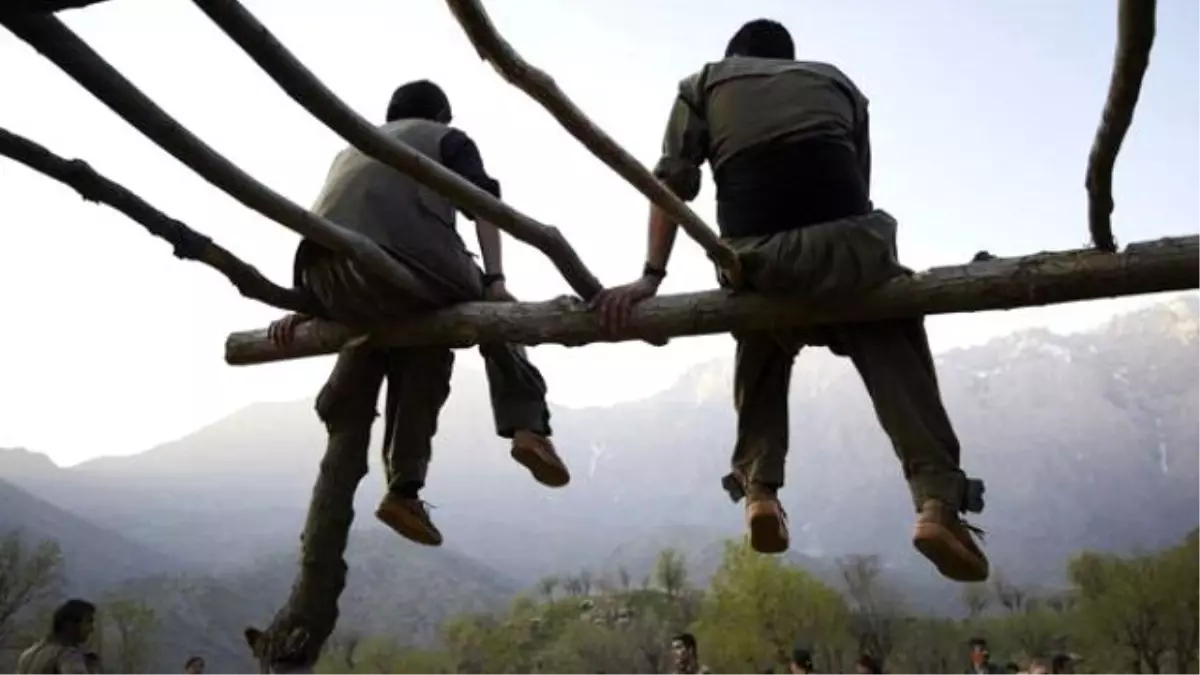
point(295, 637)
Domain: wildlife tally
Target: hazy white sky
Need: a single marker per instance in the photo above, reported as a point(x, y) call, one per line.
point(983, 114)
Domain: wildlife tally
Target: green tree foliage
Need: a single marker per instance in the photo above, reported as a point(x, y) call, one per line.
point(1122, 614)
point(1140, 612)
point(876, 611)
point(128, 631)
point(30, 576)
point(670, 572)
point(757, 608)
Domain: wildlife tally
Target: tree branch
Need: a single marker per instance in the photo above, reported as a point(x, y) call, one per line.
point(55, 41)
point(1135, 36)
point(1002, 283)
point(304, 88)
point(188, 243)
point(541, 87)
point(51, 6)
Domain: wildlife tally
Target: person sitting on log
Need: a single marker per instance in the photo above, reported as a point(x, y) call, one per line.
point(790, 151)
point(417, 226)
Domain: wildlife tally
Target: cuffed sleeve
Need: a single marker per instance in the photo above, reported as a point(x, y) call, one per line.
point(685, 144)
point(461, 155)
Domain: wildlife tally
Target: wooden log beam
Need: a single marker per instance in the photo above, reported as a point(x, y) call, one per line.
point(493, 48)
point(188, 244)
point(54, 40)
point(307, 90)
point(1135, 37)
point(1169, 264)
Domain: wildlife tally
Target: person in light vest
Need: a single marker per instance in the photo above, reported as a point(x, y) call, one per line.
point(788, 143)
point(417, 227)
point(63, 650)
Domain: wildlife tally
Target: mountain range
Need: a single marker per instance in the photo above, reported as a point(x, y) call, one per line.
point(1087, 440)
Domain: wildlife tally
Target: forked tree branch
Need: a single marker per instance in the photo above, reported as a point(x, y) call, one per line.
point(541, 87)
point(1169, 264)
point(307, 90)
point(188, 243)
point(1135, 37)
point(48, 35)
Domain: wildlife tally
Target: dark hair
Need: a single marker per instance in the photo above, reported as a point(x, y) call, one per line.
point(762, 38)
point(421, 99)
point(687, 639)
point(1060, 663)
point(802, 657)
point(193, 660)
point(71, 614)
point(977, 642)
point(868, 664)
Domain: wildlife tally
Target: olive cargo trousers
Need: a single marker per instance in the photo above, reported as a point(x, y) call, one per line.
point(823, 263)
point(418, 378)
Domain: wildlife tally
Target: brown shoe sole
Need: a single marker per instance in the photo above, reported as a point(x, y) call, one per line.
point(953, 560)
point(409, 526)
point(767, 532)
point(550, 474)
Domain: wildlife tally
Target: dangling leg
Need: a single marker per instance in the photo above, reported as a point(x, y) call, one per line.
point(418, 385)
point(518, 395)
point(897, 368)
point(762, 373)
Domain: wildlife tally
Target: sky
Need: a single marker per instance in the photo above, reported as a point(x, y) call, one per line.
point(982, 115)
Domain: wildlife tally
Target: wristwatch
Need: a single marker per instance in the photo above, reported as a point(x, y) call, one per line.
point(489, 279)
point(649, 270)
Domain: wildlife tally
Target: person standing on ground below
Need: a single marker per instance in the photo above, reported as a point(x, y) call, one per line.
point(802, 662)
point(867, 665)
point(685, 655)
point(790, 150)
point(981, 658)
point(194, 665)
point(63, 651)
point(1063, 663)
point(417, 227)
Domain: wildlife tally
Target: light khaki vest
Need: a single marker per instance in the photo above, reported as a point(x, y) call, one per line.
point(373, 199)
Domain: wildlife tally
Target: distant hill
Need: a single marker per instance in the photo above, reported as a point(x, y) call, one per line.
point(1086, 440)
point(393, 589)
point(96, 557)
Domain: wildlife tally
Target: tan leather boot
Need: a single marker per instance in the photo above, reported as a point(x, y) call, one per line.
point(942, 536)
point(409, 518)
point(766, 520)
point(536, 453)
